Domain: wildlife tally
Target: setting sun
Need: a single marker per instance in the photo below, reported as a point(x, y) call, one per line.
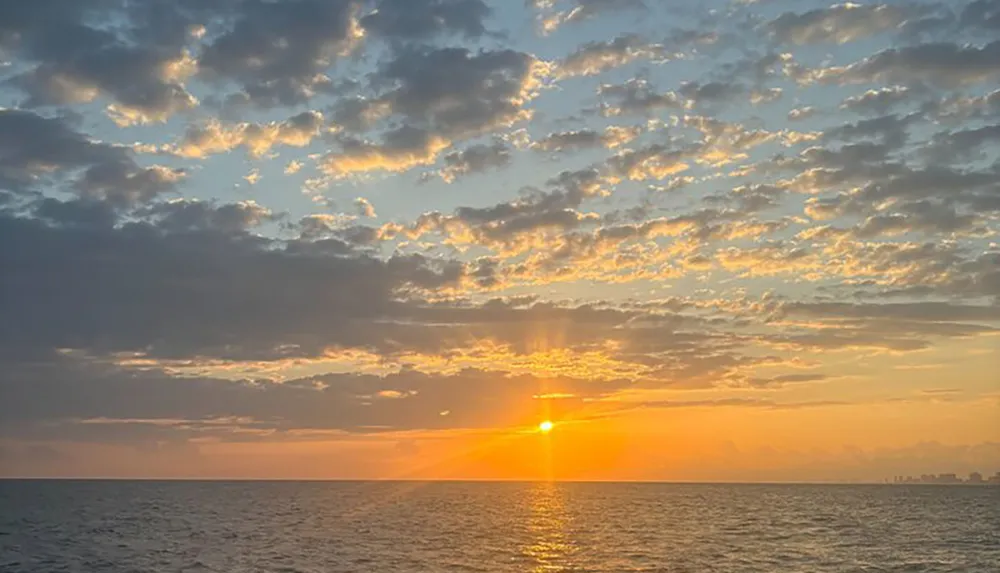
point(545, 427)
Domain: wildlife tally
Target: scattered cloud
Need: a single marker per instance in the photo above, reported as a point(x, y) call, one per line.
point(636, 208)
point(596, 57)
point(477, 158)
point(837, 24)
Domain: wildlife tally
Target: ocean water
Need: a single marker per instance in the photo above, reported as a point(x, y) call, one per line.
point(287, 527)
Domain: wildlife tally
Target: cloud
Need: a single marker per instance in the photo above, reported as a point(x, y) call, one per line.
point(596, 57)
point(785, 379)
point(400, 150)
point(962, 145)
point(981, 14)
point(893, 184)
point(611, 137)
point(258, 139)
point(586, 9)
point(879, 101)
point(769, 95)
point(69, 398)
point(443, 95)
point(144, 307)
point(915, 311)
point(891, 130)
point(478, 158)
point(505, 224)
point(37, 152)
point(919, 217)
point(710, 92)
point(73, 62)
point(278, 53)
point(365, 208)
point(654, 161)
point(945, 65)
point(214, 283)
point(185, 215)
point(839, 24)
point(459, 93)
point(422, 19)
point(636, 96)
point(960, 108)
point(801, 113)
point(891, 269)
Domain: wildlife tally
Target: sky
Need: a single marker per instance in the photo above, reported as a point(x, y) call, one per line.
point(713, 240)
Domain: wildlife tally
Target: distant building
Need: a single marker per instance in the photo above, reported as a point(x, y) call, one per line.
point(975, 478)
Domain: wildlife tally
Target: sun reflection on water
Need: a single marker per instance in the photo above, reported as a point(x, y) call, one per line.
point(551, 548)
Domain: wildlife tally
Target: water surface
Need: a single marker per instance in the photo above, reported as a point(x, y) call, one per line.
point(230, 527)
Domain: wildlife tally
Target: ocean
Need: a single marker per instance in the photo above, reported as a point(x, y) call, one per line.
point(314, 527)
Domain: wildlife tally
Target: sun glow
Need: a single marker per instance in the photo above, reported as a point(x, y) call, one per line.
point(545, 427)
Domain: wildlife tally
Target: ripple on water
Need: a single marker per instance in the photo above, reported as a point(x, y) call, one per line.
point(493, 527)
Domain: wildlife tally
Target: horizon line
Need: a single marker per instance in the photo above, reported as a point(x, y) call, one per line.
point(483, 480)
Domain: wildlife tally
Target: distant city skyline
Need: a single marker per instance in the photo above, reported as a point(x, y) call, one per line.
point(974, 478)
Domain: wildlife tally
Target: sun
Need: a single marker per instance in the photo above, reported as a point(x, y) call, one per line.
point(545, 427)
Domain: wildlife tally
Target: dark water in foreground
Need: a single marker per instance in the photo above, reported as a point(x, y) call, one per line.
point(382, 526)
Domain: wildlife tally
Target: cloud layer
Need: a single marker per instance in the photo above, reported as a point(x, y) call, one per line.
point(586, 207)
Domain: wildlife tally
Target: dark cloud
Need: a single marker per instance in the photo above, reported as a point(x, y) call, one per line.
point(943, 64)
point(506, 222)
point(924, 217)
point(38, 152)
point(399, 150)
point(711, 92)
point(439, 96)
point(73, 61)
point(421, 19)
point(358, 114)
point(67, 397)
point(596, 57)
point(747, 199)
point(75, 213)
point(801, 113)
point(458, 92)
point(636, 96)
point(258, 139)
point(982, 14)
point(879, 101)
point(654, 161)
point(278, 52)
point(478, 158)
point(928, 188)
point(184, 215)
point(962, 107)
point(566, 141)
point(962, 145)
point(680, 38)
point(837, 24)
point(87, 401)
point(915, 311)
point(912, 269)
point(890, 130)
point(582, 10)
point(178, 289)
